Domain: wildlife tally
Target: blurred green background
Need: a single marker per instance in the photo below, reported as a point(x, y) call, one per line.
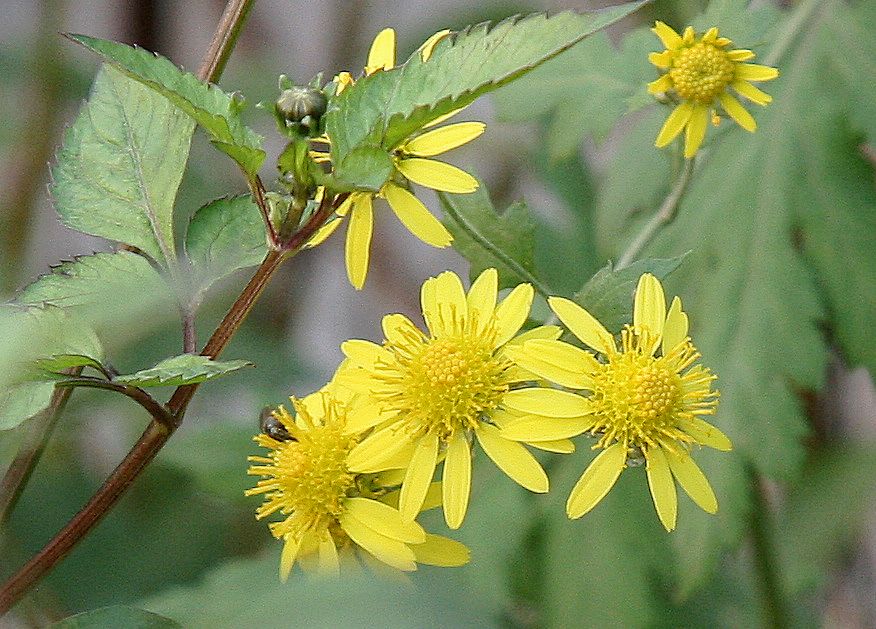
point(780, 283)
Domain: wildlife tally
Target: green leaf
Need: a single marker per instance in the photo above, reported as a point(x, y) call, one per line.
point(217, 112)
point(121, 164)
point(224, 236)
point(60, 362)
point(21, 401)
point(364, 167)
point(383, 109)
point(114, 617)
point(182, 370)
point(608, 295)
point(97, 280)
point(512, 232)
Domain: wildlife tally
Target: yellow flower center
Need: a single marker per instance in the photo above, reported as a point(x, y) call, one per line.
point(701, 72)
point(449, 383)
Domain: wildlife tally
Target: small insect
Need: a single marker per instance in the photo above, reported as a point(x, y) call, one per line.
point(273, 427)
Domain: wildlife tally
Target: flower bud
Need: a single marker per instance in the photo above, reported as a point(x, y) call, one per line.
point(302, 108)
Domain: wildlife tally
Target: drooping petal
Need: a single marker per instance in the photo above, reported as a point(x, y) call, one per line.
point(736, 111)
point(696, 130)
point(534, 428)
point(752, 93)
point(662, 487)
point(329, 563)
point(597, 480)
point(390, 551)
point(437, 175)
point(692, 480)
point(755, 72)
point(560, 446)
point(513, 459)
point(649, 307)
point(429, 45)
point(481, 298)
point(456, 480)
point(667, 35)
point(288, 555)
point(418, 477)
point(384, 519)
point(512, 313)
point(740, 54)
point(658, 86)
point(442, 551)
point(443, 139)
point(705, 433)
point(323, 233)
point(582, 324)
point(358, 243)
point(675, 328)
point(547, 402)
point(373, 452)
point(675, 124)
point(381, 56)
point(414, 215)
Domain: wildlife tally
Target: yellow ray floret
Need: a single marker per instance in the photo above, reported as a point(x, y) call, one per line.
point(698, 72)
point(647, 398)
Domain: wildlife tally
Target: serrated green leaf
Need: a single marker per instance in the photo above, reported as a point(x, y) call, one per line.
point(97, 279)
point(512, 232)
point(224, 236)
point(182, 370)
point(114, 617)
point(365, 167)
point(121, 164)
point(59, 362)
point(383, 109)
point(608, 295)
point(214, 110)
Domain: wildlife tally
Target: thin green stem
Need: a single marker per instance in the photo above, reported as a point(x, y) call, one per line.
point(776, 611)
point(497, 252)
point(664, 215)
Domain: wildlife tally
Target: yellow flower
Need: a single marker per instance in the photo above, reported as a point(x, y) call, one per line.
point(429, 395)
point(698, 72)
point(412, 163)
point(332, 514)
point(647, 399)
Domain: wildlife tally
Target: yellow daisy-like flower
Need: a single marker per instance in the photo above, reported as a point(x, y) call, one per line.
point(412, 163)
point(429, 395)
point(647, 399)
point(333, 514)
point(699, 71)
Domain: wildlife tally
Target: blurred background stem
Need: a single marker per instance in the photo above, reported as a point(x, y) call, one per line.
point(775, 610)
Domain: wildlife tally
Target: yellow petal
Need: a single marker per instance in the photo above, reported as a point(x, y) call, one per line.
point(667, 35)
point(359, 240)
point(560, 446)
point(705, 433)
point(385, 520)
point(365, 353)
point(535, 428)
point(512, 313)
point(662, 487)
point(513, 459)
point(392, 552)
point(418, 477)
point(441, 551)
point(329, 563)
point(342, 81)
point(710, 35)
point(556, 361)
point(689, 35)
point(649, 307)
point(696, 130)
point(373, 452)
point(481, 298)
point(736, 111)
point(597, 480)
point(429, 45)
point(436, 175)
point(287, 557)
point(450, 297)
point(364, 417)
point(399, 330)
point(675, 329)
point(547, 402)
point(674, 124)
point(663, 84)
point(692, 480)
point(443, 118)
point(582, 324)
point(414, 215)
point(740, 55)
point(443, 139)
point(382, 53)
point(755, 72)
point(752, 93)
point(552, 332)
point(429, 304)
point(456, 480)
point(323, 233)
